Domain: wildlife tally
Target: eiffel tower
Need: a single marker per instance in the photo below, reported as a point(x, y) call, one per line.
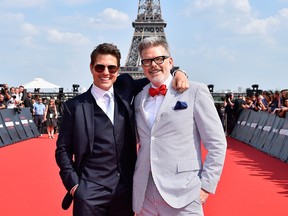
point(149, 22)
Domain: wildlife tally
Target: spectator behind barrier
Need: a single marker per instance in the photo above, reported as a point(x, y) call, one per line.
point(276, 102)
point(7, 95)
point(281, 112)
point(284, 96)
point(261, 104)
point(28, 102)
point(239, 105)
point(230, 120)
point(2, 102)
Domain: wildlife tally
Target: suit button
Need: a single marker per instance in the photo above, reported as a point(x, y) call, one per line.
point(118, 174)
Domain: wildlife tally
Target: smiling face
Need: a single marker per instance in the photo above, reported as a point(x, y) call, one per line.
point(104, 79)
point(157, 73)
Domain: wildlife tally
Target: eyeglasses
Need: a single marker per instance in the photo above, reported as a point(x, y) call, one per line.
point(158, 60)
point(111, 68)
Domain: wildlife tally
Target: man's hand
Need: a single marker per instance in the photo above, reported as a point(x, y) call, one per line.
point(180, 81)
point(72, 191)
point(203, 196)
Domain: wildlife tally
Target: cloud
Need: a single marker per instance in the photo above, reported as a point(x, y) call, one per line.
point(8, 18)
point(29, 29)
point(21, 3)
point(284, 12)
point(259, 26)
point(237, 17)
point(110, 19)
point(10, 25)
point(219, 53)
point(75, 39)
point(266, 26)
point(219, 5)
point(76, 2)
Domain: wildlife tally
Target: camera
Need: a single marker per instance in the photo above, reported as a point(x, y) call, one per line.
point(18, 109)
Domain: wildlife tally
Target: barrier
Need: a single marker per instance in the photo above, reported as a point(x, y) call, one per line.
point(257, 132)
point(4, 135)
point(241, 126)
point(27, 116)
point(16, 125)
point(264, 131)
point(280, 145)
point(252, 122)
point(283, 137)
point(269, 145)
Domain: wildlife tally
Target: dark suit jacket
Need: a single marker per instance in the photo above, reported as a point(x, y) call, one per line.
point(76, 137)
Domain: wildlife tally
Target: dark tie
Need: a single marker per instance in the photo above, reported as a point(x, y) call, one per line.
point(155, 91)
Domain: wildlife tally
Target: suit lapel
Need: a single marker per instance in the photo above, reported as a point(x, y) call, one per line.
point(166, 104)
point(144, 96)
point(88, 112)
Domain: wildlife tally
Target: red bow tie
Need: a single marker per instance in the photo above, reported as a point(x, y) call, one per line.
point(155, 91)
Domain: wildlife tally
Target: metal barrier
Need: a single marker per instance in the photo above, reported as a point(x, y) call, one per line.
point(16, 125)
point(264, 131)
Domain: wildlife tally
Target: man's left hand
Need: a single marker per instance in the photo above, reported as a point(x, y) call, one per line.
point(203, 196)
point(180, 82)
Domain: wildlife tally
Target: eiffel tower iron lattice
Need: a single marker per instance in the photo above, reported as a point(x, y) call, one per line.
point(149, 22)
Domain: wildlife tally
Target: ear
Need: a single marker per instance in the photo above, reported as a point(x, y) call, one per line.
point(91, 68)
point(171, 62)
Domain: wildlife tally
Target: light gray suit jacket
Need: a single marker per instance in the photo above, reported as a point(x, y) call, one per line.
point(171, 148)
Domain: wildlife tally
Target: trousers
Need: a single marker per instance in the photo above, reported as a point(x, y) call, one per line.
point(92, 199)
point(155, 205)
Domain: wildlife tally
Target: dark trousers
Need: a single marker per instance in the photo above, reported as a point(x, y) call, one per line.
point(38, 120)
point(91, 199)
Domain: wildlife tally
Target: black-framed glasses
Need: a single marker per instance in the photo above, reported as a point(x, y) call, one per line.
point(111, 68)
point(158, 60)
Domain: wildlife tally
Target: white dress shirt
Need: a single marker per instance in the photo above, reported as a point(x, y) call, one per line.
point(102, 99)
point(152, 104)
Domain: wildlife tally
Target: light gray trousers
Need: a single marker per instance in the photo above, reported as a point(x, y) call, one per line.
point(155, 205)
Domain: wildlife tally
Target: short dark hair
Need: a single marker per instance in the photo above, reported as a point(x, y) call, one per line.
point(106, 49)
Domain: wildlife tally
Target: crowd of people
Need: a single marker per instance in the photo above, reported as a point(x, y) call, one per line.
point(265, 101)
point(45, 111)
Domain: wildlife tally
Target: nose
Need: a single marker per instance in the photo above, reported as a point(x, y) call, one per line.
point(106, 71)
point(153, 64)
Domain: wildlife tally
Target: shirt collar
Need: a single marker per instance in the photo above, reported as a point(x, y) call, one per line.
point(99, 93)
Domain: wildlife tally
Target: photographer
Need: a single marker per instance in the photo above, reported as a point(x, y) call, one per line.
point(230, 120)
point(28, 101)
point(2, 102)
point(8, 98)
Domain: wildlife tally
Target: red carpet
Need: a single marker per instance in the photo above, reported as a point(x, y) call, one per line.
point(252, 184)
point(30, 183)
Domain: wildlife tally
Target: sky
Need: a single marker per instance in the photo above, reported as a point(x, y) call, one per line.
point(231, 44)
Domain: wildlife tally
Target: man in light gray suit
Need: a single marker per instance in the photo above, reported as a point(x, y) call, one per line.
point(170, 177)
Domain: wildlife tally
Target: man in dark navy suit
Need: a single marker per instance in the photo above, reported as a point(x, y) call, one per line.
point(96, 146)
